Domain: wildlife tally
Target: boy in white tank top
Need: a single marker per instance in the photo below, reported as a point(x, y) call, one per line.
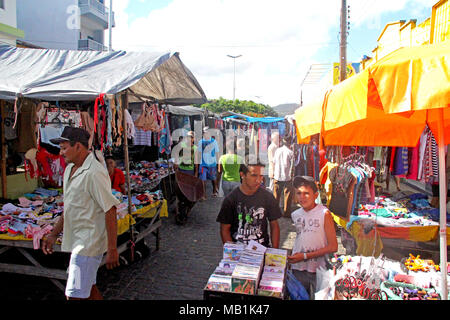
point(316, 235)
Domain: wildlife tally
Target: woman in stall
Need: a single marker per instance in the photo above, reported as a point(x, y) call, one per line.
point(116, 175)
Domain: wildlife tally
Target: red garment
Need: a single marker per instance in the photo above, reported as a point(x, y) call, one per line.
point(323, 161)
point(413, 164)
point(117, 179)
point(50, 168)
point(391, 167)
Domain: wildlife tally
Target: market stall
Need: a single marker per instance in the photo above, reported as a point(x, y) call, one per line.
point(69, 80)
point(366, 103)
point(369, 278)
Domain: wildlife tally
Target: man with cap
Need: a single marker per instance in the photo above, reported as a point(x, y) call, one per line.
point(316, 235)
point(89, 220)
point(208, 151)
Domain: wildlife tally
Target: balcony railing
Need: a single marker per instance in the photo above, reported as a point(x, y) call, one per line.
point(89, 44)
point(96, 10)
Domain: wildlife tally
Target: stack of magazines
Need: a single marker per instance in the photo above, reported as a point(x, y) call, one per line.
point(250, 269)
point(220, 280)
point(271, 283)
point(246, 275)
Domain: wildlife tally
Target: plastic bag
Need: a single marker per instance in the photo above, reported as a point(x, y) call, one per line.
point(295, 288)
point(220, 192)
point(323, 278)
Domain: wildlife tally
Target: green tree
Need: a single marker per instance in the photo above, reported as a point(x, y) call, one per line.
point(239, 106)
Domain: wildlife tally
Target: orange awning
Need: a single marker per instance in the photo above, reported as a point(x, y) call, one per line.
point(416, 79)
point(354, 116)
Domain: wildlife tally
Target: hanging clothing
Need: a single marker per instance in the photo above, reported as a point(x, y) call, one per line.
point(50, 132)
point(413, 168)
point(131, 129)
point(165, 140)
point(26, 120)
point(401, 161)
point(342, 191)
point(431, 164)
point(142, 138)
point(51, 168)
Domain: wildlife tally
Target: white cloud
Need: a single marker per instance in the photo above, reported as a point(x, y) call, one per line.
point(277, 40)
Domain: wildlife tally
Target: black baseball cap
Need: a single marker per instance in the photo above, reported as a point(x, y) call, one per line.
point(74, 135)
point(305, 181)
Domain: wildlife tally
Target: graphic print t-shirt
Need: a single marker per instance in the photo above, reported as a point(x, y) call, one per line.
point(249, 215)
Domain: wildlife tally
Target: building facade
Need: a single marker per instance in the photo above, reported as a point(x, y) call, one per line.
point(402, 33)
point(64, 24)
point(9, 33)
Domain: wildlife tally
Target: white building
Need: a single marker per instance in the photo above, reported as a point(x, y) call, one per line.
point(64, 24)
point(9, 32)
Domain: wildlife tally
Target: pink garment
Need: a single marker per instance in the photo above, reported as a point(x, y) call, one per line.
point(37, 233)
point(413, 171)
point(372, 186)
point(24, 202)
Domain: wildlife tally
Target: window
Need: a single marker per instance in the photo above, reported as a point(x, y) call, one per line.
point(2, 4)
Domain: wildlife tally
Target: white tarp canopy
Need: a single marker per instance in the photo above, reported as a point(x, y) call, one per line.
point(185, 110)
point(49, 74)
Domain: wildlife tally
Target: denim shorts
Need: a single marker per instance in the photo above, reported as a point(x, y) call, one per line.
point(207, 173)
point(82, 275)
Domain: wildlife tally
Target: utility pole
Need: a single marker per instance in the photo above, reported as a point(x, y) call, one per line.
point(343, 44)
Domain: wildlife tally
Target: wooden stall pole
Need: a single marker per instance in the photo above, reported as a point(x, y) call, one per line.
point(124, 103)
point(2, 123)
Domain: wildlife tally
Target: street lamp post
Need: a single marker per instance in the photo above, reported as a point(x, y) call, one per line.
point(234, 73)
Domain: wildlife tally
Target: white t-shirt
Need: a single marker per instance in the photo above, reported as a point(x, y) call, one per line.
point(87, 198)
point(311, 236)
point(283, 162)
point(270, 154)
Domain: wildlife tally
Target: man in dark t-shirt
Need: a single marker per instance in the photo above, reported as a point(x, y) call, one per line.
point(249, 210)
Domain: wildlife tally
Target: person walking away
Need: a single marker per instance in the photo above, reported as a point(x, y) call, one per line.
point(208, 150)
point(89, 220)
point(283, 160)
point(229, 165)
point(249, 211)
point(274, 145)
point(116, 175)
point(316, 235)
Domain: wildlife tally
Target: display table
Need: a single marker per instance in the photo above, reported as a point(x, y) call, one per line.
point(378, 235)
point(146, 220)
point(24, 245)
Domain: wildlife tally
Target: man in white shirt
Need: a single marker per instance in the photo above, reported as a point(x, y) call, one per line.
point(283, 160)
point(89, 220)
point(275, 138)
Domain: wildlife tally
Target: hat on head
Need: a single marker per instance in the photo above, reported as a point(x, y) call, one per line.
point(305, 181)
point(205, 129)
point(74, 135)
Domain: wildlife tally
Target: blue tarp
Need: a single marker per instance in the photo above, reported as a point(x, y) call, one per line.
point(254, 119)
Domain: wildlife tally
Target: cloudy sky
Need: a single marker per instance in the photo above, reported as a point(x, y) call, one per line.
point(278, 39)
